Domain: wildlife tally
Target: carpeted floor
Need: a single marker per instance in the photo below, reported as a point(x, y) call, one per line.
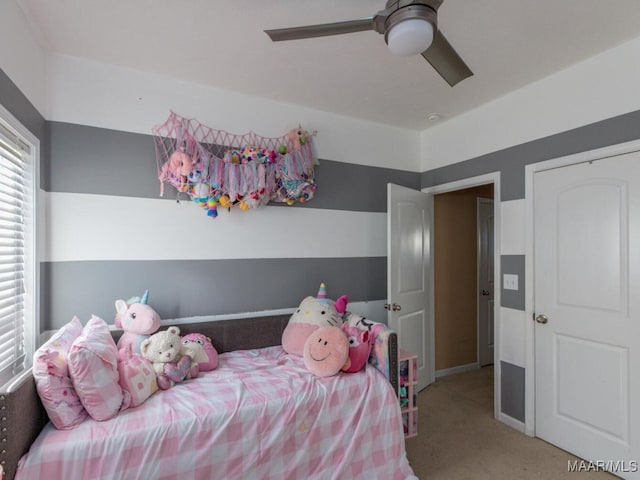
point(458, 438)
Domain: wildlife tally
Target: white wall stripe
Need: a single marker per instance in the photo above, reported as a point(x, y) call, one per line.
point(102, 95)
point(513, 218)
point(581, 94)
point(105, 227)
point(512, 336)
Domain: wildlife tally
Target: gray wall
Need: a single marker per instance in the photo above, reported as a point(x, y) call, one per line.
point(83, 159)
point(93, 160)
point(20, 107)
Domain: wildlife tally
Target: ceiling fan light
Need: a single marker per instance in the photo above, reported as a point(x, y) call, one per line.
point(410, 37)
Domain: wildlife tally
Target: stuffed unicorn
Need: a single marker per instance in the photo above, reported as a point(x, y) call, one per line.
point(137, 319)
point(310, 315)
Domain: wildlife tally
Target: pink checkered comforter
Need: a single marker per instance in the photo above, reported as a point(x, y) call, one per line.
point(260, 415)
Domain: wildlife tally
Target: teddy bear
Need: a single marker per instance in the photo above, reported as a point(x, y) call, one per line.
point(297, 138)
point(171, 364)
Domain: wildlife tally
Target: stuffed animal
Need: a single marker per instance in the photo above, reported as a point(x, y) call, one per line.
point(310, 315)
point(164, 350)
point(359, 347)
point(176, 170)
point(137, 319)
point(204, 352)
point(326, 351)
point(363, 323)
point(297, 137)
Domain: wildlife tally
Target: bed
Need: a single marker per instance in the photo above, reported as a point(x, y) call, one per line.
point(260, 414)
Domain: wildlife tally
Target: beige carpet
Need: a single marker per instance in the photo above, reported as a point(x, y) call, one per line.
point(459, 439)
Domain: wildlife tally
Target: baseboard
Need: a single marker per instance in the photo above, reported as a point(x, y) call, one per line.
point(460, 369)
point(511, 422)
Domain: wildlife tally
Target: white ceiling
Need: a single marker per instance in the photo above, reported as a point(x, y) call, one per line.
point(507, 44)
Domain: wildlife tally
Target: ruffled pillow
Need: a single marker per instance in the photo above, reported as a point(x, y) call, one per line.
point(93, 367)
point(53, 382)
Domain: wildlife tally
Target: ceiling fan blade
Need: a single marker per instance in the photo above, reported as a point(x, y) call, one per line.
point(444, 59)
point(323, 30)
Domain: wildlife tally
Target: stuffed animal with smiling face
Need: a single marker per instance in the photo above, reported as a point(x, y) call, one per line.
point(313, 313)
point(326, 351)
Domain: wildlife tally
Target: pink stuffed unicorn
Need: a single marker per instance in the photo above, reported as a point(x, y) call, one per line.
point(137, 319)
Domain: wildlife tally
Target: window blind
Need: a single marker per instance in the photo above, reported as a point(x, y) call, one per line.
point(16, 203)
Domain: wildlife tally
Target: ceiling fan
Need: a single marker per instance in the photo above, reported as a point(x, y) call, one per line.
point(409, 28)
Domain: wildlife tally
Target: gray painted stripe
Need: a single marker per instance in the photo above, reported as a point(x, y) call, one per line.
point(185, 288)
point(101, 161)
point(346, 186)
point(512, 264)
point(511, 161)
point(20, 107)
point(512, 400)
point(110, 162)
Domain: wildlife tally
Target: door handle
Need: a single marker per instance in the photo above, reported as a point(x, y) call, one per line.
point(485, 293)
point(395, 307)
point(542, 319)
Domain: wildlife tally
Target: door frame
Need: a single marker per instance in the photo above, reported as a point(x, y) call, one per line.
point(489, 178)
point(530, 171)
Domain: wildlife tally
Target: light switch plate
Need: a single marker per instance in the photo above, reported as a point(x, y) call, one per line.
point(510, 281)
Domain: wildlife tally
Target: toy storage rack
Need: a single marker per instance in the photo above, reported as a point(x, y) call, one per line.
point(407, 394)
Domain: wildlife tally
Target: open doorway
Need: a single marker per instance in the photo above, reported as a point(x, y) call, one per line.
point(463, 261)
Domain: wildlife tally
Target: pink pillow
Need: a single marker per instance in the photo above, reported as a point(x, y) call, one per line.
point(93, 367)
point(53, 383)
point(137, 376)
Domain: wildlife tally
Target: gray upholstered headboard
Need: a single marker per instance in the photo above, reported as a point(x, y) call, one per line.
point(22, 416)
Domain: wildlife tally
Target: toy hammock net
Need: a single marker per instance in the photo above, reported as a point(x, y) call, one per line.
point(214, 167)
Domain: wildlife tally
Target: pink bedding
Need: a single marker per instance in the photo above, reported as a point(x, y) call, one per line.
point(260, 415)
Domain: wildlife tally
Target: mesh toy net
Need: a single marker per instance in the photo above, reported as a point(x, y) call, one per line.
point(214, 167)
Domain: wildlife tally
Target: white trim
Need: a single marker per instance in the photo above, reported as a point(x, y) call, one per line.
point(16, 382)
point(32, 329)
point(445, 372)
point(530, 171)
point(512, 422)
point(466, 183)
point(494, 178)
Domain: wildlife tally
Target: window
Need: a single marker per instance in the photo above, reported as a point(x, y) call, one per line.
point(18, 154)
